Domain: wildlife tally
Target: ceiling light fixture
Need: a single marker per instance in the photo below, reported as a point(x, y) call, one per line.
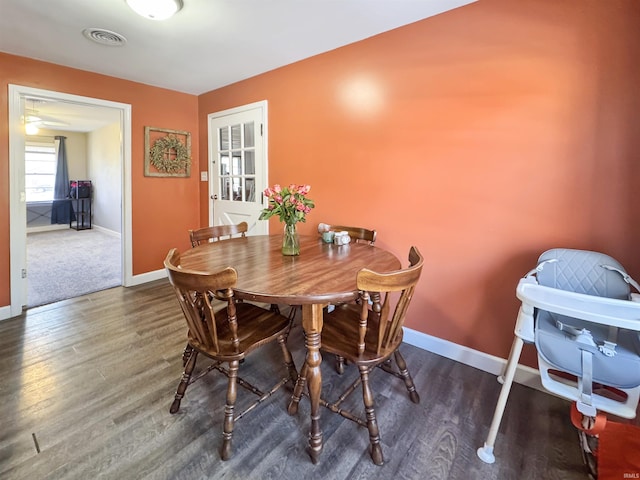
point(31, 129)
point(155, 9)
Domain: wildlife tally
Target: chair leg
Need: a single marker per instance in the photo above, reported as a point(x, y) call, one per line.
point(185, 355)
point(406, 376)
point(339, 364)
point(293, 309)
point(184, 381)
point(288, 359)
point(298, 389)
point(227, 432)
point(372, 424)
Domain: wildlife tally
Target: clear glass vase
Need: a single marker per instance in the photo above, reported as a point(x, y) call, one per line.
point(290, 240)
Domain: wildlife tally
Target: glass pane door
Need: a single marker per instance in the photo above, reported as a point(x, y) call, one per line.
point(238, 167)
point(236, 158)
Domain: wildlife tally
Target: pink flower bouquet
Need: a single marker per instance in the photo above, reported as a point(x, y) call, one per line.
point(289, 203)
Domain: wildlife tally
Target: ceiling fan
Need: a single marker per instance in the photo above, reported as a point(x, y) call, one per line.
point(34, 120)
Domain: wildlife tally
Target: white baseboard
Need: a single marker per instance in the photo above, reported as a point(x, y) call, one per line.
point(147, 277)
point(527, 376)
point(50, 228)
point(5, 312)
point(108, 231)
point(47, 228)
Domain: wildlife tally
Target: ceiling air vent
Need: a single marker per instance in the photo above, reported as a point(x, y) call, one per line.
point(104, 37)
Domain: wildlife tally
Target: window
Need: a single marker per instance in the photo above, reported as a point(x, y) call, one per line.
point(237, 162)
point(40, 171)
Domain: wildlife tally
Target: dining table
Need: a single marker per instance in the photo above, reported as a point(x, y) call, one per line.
point(322, 274)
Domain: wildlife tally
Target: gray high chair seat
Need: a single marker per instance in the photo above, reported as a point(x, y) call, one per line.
point(578, 310)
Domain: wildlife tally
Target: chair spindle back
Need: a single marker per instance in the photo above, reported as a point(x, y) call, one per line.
point(216, 233)
point(382, 288)
point(193, 290)
point(357, 234)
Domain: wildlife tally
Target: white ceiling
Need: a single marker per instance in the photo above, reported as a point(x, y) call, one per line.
point(208, 44)
point(68, 117)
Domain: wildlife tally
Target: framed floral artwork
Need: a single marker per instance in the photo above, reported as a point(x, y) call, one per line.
point(167, 153)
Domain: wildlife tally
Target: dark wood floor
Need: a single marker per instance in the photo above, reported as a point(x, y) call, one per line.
point(91, 380)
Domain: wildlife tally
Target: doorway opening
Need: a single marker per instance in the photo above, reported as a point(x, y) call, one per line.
point(20, 100)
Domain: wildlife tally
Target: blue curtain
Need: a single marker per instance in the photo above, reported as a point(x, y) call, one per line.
point(61, 185)
point(61, 208)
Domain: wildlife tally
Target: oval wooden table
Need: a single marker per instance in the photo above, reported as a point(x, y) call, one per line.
point(322, 273)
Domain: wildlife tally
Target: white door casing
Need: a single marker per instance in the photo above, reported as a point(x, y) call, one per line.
point(238, 166)
point(17, 209)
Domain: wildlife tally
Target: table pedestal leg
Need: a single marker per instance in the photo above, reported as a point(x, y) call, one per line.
point(312, 325)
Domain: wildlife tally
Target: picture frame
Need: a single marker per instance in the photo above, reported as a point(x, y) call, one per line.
point(167, 153)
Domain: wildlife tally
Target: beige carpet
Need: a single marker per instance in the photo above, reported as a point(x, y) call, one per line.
point(68, 263)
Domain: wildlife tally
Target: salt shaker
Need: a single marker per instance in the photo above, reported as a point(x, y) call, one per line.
point(341, 238)
point(327, 236)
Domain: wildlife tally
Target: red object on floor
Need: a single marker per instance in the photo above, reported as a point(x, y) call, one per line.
point(619, 452)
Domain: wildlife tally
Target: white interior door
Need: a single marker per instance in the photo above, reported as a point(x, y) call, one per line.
point(238, 166)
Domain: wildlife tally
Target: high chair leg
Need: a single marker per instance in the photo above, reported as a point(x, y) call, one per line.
point(486, 452)
point(504, 369)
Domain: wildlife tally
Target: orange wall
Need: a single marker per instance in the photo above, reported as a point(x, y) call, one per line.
point(163, 208)
point(484, 136)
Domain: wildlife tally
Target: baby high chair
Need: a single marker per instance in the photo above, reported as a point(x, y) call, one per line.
point(578, 311)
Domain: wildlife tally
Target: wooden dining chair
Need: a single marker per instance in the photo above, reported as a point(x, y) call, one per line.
point(213, 234)
point(357, 234)
point(227, 335)
point(369, 335)
point(216, 233)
